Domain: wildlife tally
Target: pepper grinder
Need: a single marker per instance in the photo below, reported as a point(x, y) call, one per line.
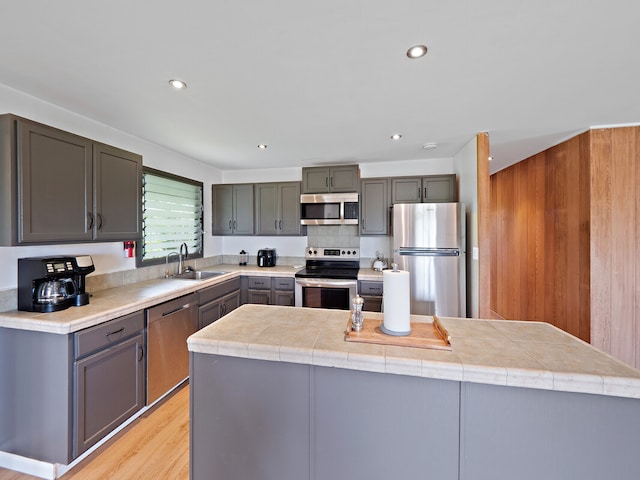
point(357, 320)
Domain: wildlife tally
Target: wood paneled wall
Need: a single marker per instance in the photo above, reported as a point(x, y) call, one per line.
point(615, 242)
point(540, 239)
point(566, 240)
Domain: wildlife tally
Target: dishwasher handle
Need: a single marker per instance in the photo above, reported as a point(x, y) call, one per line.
point(179, 309)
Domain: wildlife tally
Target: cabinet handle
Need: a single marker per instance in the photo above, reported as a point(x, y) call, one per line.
point(117, 331)
point(331, 183)
point(275, 224)
point(90, 217)
point(280, 222)
point(235, 225)
point(99, 222)
point(229, 224)
point(141, 356)
point(326, 181)
point(364, 224)
point(224, 309)
point(425, 193)
point(419, 193)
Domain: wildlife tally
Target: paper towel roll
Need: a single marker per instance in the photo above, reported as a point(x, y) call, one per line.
point(396, 301)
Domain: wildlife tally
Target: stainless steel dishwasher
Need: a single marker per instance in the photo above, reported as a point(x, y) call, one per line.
point(168, 327)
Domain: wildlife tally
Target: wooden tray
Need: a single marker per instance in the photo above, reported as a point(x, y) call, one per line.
point(423, 335)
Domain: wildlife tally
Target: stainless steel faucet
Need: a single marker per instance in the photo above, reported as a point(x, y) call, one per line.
point(182, 257)
point(166, 262)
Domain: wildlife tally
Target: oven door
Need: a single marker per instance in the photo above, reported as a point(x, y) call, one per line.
point(325, 293)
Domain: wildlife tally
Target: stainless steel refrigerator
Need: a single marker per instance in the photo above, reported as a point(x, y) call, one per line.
point(429, 243)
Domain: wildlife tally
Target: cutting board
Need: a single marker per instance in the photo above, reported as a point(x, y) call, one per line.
point(423, 335)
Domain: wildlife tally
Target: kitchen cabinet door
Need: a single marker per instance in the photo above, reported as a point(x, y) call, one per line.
point(406, 190)
point(118, 193)
point(439, 188)
point(267, 208)
point(374, 206)
point(222, 209)
point(232, 209)
point(342, 178)
point(289, 208)
point(109, 388)
point(243, 209)
point(55, 178)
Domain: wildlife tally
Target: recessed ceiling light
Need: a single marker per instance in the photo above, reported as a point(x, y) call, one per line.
point(417, 51)
point(396, 136)
point(178, 84)
point(430, 146)
point(262, 146)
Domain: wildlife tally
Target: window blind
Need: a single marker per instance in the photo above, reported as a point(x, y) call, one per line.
point(171, 215)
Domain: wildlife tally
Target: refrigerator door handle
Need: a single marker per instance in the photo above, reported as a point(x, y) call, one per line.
point(429, 252)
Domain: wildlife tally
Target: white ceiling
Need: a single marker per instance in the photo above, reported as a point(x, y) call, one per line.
point(328, 81)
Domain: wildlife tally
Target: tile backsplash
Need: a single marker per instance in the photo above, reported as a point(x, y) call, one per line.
point(333, 236)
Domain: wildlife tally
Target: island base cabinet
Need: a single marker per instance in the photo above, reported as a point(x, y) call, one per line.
point(376, 427)
point(528, 434)
point(277, 420)
point(242, 425)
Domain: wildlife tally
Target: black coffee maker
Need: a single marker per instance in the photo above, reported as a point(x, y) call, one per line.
point(46, 284)
point(84, 266)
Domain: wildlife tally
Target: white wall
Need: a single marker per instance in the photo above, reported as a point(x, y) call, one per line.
point(465, 165)
point(107, 256)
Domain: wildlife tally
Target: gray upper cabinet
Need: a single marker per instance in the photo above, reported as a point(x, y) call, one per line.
point(277, 208)
point(434, 188)
point(59, 187)
point(232, 209)
point(117, 196)
point(343, 178)
point(375, 200)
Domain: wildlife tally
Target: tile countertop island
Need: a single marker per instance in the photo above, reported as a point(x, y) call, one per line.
point(276, 392)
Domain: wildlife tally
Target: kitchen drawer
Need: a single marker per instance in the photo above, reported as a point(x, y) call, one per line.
point(283, 283)
point(259, 283)
point(216, 291)
point(370, 288)
point(107, 334)
point(372, 303)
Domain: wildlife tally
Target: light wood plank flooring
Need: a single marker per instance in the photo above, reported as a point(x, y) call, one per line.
point(155, 446)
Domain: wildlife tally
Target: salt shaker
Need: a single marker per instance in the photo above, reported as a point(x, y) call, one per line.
point(357, 320)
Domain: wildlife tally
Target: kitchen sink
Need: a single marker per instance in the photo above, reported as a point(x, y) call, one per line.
point(198, 275)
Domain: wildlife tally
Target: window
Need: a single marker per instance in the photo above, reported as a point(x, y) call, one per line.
point(171, 215)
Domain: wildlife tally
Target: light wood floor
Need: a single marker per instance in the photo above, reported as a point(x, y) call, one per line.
point(155, 446)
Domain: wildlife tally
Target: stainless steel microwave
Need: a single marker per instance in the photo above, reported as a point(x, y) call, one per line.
point(329, 209)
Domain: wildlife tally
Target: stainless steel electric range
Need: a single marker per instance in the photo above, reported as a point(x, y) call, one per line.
point(329, 279)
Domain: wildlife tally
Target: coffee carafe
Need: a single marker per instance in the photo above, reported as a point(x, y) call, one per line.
point(46, 284)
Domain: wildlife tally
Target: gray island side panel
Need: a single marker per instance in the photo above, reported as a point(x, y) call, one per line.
point(529, 434)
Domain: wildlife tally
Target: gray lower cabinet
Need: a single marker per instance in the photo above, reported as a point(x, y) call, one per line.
point(277, 208)
point(269, 290)
point(232, 209)
point(216, 301)
point(59, 187)
point(339, 178)
point(63, 393)
point(375, 200)
point(108, 384)
point(371, 292)
point(432, 189)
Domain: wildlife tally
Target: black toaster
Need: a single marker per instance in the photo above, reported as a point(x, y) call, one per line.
point(267, 257)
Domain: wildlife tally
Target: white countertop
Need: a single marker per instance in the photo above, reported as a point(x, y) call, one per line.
point(511, 353)
point(112, 303)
